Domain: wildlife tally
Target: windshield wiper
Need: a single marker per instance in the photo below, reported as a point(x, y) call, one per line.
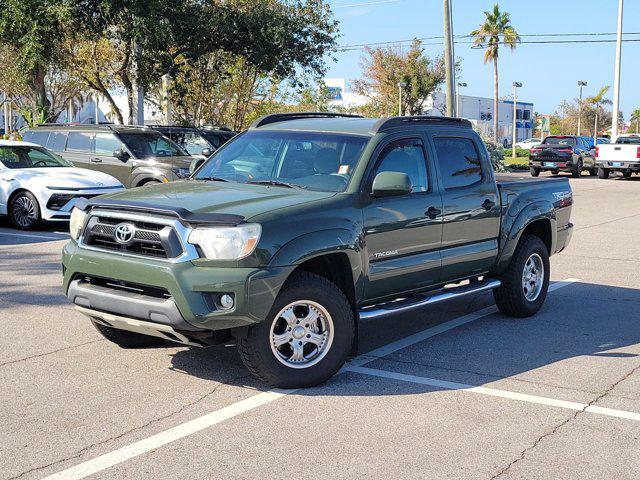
point(277, 183)
point(214, 179)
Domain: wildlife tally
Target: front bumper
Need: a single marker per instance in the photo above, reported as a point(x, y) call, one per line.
point(633, 166)
point(191, 289)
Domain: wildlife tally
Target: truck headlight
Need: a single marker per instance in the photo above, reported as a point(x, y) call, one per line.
point(76, 222)
point(226, 243)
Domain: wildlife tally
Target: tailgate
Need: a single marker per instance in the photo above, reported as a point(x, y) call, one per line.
point(617, 153)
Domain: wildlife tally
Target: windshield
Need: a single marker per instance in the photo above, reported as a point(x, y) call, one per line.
point(560, 141)
point(313, 160)
point(30, 157)
point(628, 140)
point(217, 139)
point(150, 144)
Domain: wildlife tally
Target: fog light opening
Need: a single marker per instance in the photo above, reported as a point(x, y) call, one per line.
point(226, 301)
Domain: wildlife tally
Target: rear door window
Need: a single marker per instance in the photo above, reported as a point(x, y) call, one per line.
point(459, 162)
point(79, 141)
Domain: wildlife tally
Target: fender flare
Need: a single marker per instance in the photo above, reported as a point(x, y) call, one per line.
point(512, 230)
point(324, 242)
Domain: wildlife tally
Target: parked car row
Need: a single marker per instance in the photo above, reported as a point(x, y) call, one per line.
point(42, 177)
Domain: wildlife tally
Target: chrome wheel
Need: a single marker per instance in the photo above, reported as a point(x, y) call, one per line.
point(25, 211)
point(301, 334)
point(533, 277)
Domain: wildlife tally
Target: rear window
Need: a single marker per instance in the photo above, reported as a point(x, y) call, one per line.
point(79, 141)
point(560, 141)
point(57, 141)
point(628, 140)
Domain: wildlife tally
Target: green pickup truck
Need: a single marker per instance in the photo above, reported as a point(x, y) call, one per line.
point(303, 226)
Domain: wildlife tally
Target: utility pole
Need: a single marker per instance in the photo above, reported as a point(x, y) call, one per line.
point(401, 85)
point(458, 85)
point(515, 102)
point(448, 59)
point(5, 113)
point(97, 109)
point(616, 81)
point(139, 87)
point(581, 83)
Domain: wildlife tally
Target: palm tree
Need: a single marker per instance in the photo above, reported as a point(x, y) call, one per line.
point(635, 117)
point(495, 31)
point(597, 101)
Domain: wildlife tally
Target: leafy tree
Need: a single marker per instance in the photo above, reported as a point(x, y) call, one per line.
point(496, 30)
point(384, 68)
point(32, 30)
point(597, 102)
point(635, 118)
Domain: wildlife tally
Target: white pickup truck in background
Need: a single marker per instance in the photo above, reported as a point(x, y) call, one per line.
point(622, 156)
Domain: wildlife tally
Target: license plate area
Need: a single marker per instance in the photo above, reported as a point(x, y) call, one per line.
point(549, 164)
point(616, 164)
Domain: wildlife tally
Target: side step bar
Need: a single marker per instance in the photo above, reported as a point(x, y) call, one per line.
point(418, 301)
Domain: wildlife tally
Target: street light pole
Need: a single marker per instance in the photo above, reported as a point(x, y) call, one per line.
point(581, 83)
point(515, 102)
point(458, 85)
point(401, 85)
point(616, 81)
point(448, 59)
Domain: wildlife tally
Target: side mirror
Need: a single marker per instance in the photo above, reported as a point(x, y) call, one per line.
point(391, 184)
point(195, 164)
point(206, 152)
point(121, 154)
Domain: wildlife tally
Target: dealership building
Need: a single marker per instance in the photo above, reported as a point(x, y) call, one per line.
point(477, 109)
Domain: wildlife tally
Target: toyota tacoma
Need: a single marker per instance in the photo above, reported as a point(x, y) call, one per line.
point(304, 225)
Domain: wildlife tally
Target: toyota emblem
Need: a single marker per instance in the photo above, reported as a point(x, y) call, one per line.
point(124, 233)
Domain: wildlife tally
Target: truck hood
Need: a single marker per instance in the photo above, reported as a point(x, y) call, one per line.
point(64, 177)
point(200, 196)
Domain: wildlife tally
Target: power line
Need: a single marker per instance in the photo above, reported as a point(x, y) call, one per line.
point(365, 4)
point(346, 48)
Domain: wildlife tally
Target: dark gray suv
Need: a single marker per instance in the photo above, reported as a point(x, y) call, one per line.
point(134, 155)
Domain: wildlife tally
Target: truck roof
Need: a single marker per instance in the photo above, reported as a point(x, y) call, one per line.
point(349, 124)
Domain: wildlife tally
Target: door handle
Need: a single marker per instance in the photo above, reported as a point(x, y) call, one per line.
point(96, 160)
point(432, 212)
point(488, 204)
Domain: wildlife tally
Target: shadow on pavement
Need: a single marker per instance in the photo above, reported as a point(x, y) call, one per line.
point(581, 320)
point(46, 232)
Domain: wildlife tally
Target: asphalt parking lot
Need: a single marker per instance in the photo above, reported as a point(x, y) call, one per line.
point(455, 391)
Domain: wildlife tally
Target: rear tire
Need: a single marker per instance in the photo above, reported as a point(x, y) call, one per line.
point(517, 295)
point(125, 339)
point(535, 172)
point(626, 174)
point(593, 172)
point(603, 173)
point(24, 211)
point(277, 350)
point(577, 170)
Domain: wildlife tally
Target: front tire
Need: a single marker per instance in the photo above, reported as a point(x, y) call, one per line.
point(603, 173)
point(125, 339)
point(24, 211)
point(306, 337)
point(535, 172)
point(525, 282)
point(626, 174)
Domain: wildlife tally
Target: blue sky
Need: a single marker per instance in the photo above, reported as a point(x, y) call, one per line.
point(549, 72)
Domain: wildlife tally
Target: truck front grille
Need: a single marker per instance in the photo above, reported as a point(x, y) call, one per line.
point(128, 287)
point(143, 238)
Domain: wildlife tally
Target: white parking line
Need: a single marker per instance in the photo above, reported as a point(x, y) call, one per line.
point(27, 235)
point(496, 393)
point(183, 430)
